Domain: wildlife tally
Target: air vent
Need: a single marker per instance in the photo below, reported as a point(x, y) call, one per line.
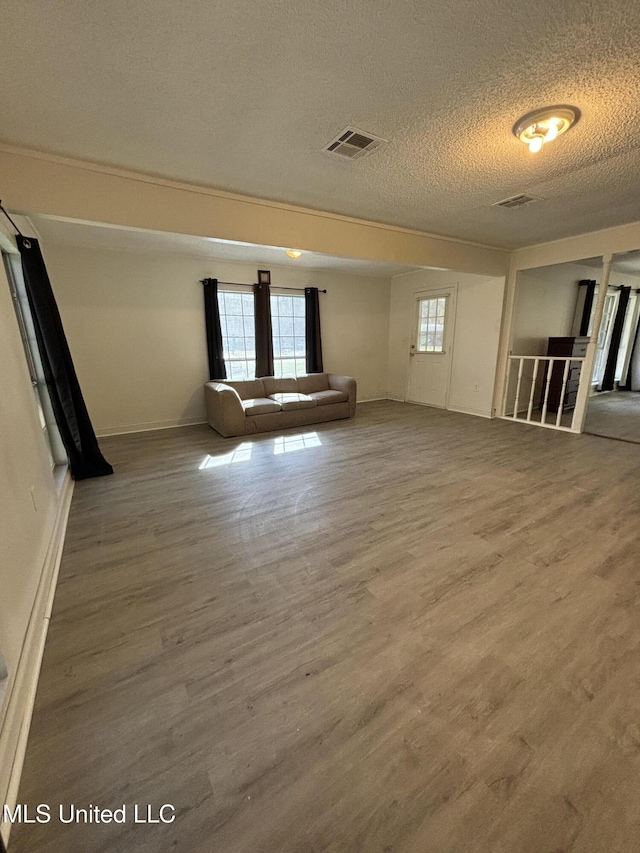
point(353, 143)
point(515, 201)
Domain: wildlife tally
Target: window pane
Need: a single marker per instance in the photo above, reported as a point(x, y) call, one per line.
point(233, 303)
point(431, 321)
point(286, 326)
point(289, 346)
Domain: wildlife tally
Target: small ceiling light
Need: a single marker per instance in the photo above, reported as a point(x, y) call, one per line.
point(541, 126)
point(294, 253)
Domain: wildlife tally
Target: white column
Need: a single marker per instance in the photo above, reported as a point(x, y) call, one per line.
point(584, 388)
point(504, 346)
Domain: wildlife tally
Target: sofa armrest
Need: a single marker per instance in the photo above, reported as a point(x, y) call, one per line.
point(224, 409)
point(348, 385)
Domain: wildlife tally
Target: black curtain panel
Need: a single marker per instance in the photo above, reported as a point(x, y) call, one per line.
point(312, 330)
point(587, 306)
point(632, 382)
point(76, 431)
point(264, 336)
point(608, 378)
point(217, 367)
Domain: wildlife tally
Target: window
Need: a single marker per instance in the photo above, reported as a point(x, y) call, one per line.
point(238, 333)
point(237, 320)
point(431, 324)
point(57, 453)
point(289, 342)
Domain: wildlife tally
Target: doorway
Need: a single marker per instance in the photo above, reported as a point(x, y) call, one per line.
point(431, 351)
point(613, 408)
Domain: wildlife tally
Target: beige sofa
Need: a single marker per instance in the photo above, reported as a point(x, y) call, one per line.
point(260, 405)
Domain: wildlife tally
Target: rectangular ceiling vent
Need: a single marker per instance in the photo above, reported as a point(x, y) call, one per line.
point(515, 201)
point(353, 143)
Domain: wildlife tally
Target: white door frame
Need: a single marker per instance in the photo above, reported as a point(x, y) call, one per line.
point(450, 291)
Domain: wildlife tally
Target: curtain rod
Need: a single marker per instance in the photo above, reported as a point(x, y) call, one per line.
point(238, 284)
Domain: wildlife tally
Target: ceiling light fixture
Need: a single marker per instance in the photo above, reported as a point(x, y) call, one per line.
point(541, 126)
point(294, 253)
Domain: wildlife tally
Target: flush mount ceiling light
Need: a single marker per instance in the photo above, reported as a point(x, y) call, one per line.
point(541, 126)
point(294, 253)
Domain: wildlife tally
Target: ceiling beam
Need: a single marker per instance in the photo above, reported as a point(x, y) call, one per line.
point(33, 182)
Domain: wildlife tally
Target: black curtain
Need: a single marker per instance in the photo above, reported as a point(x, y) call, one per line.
point(312, 330)
point(76, 431)
point(264, 336)
point(217, 367)
point(608, 378)
point(587, 306)
point(633, 372)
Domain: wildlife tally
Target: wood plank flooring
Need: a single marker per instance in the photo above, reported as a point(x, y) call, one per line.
point(614, 414)
point(420, 632)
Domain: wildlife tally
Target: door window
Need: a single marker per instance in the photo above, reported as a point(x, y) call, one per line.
point(431, 320)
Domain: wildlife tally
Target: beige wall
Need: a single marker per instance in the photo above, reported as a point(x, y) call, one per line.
point(135, 324)
point(545, 302)
point(477, 330)
point(34, 182)
point(32, 521)
point(544, 305)
point(28, 497)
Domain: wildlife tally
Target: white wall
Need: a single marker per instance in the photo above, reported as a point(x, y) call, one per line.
point(135, 325)
point(477, 330)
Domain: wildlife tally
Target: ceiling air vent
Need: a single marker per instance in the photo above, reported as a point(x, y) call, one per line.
point(353, 143)
point(515, 201)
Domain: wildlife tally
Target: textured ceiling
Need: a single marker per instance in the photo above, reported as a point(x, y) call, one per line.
point(96, 236)
point(242, 96)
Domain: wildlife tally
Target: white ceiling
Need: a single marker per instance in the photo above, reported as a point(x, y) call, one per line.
point(242, 96)
point(99, 236)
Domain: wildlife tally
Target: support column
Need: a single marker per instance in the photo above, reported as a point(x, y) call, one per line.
point(504, 347)
point(584, 389)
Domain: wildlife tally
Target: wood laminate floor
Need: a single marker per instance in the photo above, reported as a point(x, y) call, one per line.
point(614, 414)
point(415, 631)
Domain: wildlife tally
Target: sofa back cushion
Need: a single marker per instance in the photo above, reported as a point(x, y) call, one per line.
point(248, 389)
point(273, 385)
point(313, 382)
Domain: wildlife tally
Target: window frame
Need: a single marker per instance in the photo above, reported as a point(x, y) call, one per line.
point(434, 349)
point(13, 268)
point(299, 361)
point(246, 296)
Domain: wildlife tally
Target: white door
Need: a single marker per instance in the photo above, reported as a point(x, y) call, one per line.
point(431, 347)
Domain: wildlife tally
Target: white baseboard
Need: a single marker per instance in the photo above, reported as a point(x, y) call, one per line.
point(124, 429)
point(469, 410)
point(21, 696)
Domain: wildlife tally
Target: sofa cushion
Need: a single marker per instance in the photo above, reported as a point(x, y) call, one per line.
point(313, 382)
point(293, 401)
point(326, 398)
point(248, 389)
point(260, 406)
point(274, 385)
